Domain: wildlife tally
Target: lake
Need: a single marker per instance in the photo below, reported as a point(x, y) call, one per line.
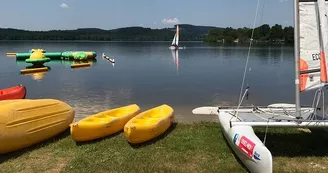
point(149, 74)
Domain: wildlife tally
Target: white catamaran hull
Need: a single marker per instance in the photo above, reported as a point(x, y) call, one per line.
point(237, 129)
point(246, 145)
point(172, 47)
point(175, 48)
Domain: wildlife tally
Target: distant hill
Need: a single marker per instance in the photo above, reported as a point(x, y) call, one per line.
point(187, 33)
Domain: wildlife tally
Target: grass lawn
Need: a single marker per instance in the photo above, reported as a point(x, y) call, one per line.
point(188, 148)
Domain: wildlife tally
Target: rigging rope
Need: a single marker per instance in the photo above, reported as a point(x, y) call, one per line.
point(249, 51)
point(323, 105)
point(266, 132)
point(245, 94)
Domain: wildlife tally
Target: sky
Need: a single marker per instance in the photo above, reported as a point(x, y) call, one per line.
point(40, 15)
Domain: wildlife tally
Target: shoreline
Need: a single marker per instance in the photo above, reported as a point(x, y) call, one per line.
point(197, 147)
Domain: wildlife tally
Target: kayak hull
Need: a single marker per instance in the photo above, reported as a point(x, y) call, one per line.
point(16, 92)
point(103, 124)
point(149, 124)
point(27, 122)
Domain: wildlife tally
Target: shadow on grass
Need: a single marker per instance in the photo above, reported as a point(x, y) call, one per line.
point(15, 154)
point(79, 143)
point(144, 144)
point(297, 144)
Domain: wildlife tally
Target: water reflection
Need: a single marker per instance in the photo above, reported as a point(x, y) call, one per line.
point(36, 71)
point(90, 102)
point(36, 76)
point(175, 56)
point(209, 75)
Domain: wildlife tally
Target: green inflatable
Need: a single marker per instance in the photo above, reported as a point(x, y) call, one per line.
point(51, 55)
point(80, 56)
point(37, 58)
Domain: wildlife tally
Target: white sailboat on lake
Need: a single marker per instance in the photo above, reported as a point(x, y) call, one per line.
point(175, 41)
point(311, 38)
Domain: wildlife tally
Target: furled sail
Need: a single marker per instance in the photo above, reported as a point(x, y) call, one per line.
point(310, 52)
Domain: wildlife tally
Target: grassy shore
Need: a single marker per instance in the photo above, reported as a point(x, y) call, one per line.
point(186, 148)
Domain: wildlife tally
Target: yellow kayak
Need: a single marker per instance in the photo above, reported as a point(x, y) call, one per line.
point(26, 122)
point(103, 124)
point(149, 124)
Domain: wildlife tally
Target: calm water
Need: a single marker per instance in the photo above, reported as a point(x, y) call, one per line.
point(149, 74)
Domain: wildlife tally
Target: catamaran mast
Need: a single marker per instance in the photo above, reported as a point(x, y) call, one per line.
point(297, 54)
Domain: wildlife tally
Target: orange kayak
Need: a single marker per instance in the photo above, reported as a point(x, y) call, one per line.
point(16, 92)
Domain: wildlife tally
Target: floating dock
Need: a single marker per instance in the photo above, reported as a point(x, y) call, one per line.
point(34, 70)
point(80, 65)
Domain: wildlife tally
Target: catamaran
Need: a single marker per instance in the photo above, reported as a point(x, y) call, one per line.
point(175, 41)
point(311, 43)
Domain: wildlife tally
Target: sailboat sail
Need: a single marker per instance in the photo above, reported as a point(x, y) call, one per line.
point(173, 42)
point(323, 39)
point(310, 52)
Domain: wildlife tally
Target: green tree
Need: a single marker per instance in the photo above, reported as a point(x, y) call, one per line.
point(289, 34)
point(276, 33)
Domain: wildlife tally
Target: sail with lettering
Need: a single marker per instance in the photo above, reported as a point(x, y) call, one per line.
point(312, 56)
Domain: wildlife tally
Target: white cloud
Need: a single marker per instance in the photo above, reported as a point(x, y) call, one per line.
point(63, 5)
point(170, 21)
point(283, 0)
point(155, 23)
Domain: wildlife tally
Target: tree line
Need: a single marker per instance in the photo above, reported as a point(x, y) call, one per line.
point(263, 33)
point(190, 33)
